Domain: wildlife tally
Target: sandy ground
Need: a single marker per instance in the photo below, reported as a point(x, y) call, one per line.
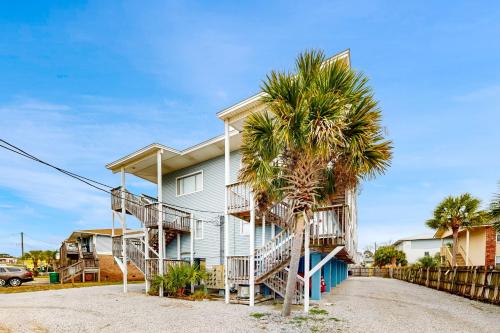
point(358, 305)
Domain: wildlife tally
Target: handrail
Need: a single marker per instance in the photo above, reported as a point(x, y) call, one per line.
point(467, 260)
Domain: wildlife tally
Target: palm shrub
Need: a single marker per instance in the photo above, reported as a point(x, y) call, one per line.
point(454, 213)
point(177, 278)
point(320, 135)
point(427, 262)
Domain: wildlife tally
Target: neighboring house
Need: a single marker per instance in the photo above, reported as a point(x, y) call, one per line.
point(87, 255)
point(7, 259)
point(418, 246)
point(207, 216)
point(477, 246)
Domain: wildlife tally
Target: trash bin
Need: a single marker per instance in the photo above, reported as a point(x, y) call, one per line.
point(54, 277)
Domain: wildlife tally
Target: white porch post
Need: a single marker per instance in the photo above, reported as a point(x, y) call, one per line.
point(113, 229)
point(307, 266)
point(273, 230)
point(263, 230)
point(252, 250)
point(227, 172)
point(146, 257)
point(161, 234)
point(178, 246)
point(467, 248)
point(191, 245)
point(124, 230)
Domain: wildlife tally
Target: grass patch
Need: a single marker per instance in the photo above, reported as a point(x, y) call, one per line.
point(316, 311)
point(57, 286)
point(258, 315)
point(300, 318)
point(334, 319)
point(314, 329)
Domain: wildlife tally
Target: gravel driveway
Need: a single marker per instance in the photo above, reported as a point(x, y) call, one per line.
point(358, 305)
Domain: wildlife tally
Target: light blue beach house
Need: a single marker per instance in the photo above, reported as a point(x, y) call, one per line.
point(201, 213)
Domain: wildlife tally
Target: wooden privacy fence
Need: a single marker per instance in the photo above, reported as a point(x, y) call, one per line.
point(370, 271)
point(478, 283)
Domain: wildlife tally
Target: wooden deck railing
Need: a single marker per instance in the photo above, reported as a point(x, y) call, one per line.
point(68, 272)
point(147, 211)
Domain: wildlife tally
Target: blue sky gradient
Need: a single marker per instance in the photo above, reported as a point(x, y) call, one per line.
point(84, 83)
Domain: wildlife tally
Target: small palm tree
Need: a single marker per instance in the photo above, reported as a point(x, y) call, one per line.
point(495, 210)
point(454, 213)
point(320, 136)
point(177, 278)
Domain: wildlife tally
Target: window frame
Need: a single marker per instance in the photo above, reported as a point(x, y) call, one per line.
point(186, 176)
point(196, 236)
point(241, 228)
point(498, 237)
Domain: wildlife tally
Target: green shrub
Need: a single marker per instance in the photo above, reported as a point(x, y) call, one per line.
point(178, 277)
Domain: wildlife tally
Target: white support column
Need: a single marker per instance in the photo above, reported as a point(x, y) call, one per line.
point(124, 230)
point(161, 233)
point(273, 230)
point(252, 251)
point(263, 230)
point(113, 229)
point(178, 246)
point(307, 266)
point(227, 179)
point(467, 248)
point(146, 257)
point(191, 245)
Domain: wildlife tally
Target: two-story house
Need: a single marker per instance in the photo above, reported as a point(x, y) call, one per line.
point(201, 213)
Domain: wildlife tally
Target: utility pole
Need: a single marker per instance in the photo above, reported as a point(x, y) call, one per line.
point(22, 244)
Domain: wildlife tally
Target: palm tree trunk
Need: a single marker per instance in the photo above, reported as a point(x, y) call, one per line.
point(455, 247)
point(291, 282)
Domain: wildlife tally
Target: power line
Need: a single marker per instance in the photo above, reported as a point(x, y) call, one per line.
point(89, 181)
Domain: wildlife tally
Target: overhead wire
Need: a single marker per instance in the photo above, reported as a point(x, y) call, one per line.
point(90, 182)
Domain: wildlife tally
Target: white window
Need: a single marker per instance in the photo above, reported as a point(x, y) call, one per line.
point(198, 229)
point(190, 183)
point(498, 237)
point(244, 228)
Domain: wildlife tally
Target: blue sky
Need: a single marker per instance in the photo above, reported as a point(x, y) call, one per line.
point(84, 83)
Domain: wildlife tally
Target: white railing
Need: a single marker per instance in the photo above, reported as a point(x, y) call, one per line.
point(273, 254)
point(238, 269)
point(277, 283)
point(238, 198)
point(147, 211)
point(463, 253)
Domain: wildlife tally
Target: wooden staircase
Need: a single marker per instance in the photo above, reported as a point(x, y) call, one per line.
point(147, 210)
point(277, 283)
point(329, 229)
point(84, 265)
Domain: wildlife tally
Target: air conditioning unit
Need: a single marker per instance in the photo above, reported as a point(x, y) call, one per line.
point(244, 291)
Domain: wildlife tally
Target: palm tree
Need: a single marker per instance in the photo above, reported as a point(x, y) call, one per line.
point(35, 256)
point(320, 135)
point(495, 211)
point(454, 213)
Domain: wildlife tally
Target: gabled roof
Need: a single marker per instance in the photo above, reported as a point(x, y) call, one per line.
point(415, 237)
point(143, 162)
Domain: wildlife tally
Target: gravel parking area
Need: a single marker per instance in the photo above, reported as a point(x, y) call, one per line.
point(358, 305)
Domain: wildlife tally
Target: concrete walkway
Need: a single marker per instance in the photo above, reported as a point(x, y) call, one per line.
point(389, 305)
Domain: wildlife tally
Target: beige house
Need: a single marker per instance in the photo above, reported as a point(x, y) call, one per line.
point(477, 246)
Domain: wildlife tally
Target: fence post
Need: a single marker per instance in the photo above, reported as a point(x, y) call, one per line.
point(473, 283)
point(439, 278)
point(427, 278)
